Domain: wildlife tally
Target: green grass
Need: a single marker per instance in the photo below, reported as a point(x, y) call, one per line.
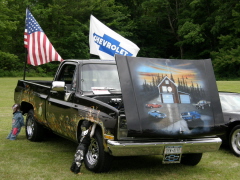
point(51, 159)
point(231, 86)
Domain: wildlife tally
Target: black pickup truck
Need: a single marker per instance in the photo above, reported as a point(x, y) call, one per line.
point(114, 95)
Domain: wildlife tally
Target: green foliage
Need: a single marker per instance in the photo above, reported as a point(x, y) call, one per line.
point(188, 29)
point(8, 61)
point(226, 60)
point(191, 33)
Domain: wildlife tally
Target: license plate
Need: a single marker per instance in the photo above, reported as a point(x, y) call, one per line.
point(172, 154)
point(172, 158)
point(173, 150)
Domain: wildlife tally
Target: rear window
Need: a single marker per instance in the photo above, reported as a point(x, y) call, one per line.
point(100, 75)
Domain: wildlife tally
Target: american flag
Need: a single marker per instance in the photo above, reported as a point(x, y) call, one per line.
point(40, 49)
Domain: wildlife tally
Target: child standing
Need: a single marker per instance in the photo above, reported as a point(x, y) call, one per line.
point(17, 122)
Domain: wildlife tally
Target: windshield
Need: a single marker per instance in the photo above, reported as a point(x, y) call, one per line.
point(101, 76)
point(230, 102)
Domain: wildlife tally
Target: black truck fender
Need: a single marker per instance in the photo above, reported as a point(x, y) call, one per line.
point(99, 127)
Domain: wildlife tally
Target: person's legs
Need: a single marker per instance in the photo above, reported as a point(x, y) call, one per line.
point(19, 129)
point(9, 135)
point(78, 159)
point(12, 137)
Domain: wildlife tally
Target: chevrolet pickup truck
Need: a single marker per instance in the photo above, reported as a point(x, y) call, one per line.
point(114, 94)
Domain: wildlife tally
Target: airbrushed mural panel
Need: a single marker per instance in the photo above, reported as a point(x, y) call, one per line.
point(169, 97)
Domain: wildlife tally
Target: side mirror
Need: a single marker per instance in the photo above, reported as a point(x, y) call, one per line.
point(58, 86)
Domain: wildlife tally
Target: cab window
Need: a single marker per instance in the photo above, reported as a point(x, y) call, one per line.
point(67, 75)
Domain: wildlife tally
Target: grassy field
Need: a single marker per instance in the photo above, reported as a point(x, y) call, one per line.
point(51, 159)
point(231, 86)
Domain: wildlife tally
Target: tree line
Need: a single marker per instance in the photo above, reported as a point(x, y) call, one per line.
point(178, 29)
point(196, 92)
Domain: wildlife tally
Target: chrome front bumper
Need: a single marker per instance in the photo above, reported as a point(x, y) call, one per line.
point(137, 148)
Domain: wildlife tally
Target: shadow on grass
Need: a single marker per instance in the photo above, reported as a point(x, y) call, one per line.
point(144, 164)
point(56, 140)
point(226, 148)
point(120, 166)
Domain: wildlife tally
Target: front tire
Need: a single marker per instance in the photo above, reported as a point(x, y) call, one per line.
point(96, 159)
point(34, 131)
point(234, 140)
point(191, 159)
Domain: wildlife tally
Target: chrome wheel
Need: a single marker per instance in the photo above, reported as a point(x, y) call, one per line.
point(93, 152)
point(33, 130)
point(235, 140)
point(96, 159)
point(30, 127)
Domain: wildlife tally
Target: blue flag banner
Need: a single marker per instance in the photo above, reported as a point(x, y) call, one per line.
point(105, 43)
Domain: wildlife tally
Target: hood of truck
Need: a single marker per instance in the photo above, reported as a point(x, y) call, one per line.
point(160, 97)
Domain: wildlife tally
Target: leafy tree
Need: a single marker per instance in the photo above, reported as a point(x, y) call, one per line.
point(189, 29)
point(8, 26)
point(226, 58)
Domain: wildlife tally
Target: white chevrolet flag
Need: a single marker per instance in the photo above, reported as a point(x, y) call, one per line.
point(105, 43)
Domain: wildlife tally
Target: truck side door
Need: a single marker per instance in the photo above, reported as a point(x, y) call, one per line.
point(60, 112)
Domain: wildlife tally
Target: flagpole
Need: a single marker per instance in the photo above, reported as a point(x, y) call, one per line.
point(24, 73)
point(26, 53)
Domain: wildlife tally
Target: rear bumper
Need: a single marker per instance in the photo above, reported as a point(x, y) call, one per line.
point(137, 148)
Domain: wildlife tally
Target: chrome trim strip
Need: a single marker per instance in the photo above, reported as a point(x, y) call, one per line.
point(137, 148)
point(33, 83)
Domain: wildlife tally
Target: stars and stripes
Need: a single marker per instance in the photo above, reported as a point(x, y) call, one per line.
point(40, 49)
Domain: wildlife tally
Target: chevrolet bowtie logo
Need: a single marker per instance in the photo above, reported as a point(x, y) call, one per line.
point(110, 45)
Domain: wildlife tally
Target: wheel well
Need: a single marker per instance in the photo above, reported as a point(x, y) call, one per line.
point(25, 107)
point(98, 128)
point(231, 126)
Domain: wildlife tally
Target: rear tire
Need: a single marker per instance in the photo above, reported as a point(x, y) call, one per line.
point(96, 159)
point(234, 140)
point(34, 131)
point(191, 159)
